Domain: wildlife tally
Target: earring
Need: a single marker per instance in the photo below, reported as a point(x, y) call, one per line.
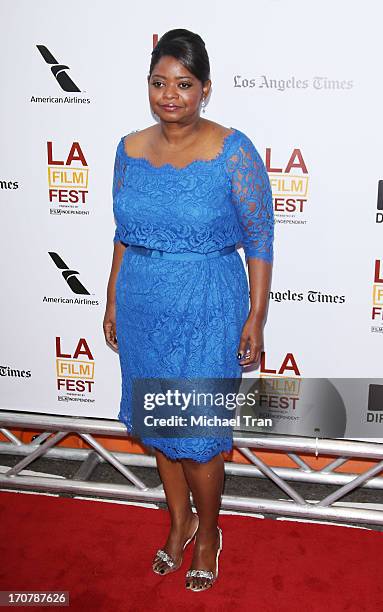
point(203, 104)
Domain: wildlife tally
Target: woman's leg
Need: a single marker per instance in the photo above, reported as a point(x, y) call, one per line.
point(183, 521)
point(206, 483)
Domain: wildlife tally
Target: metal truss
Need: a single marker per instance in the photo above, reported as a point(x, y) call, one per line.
point(55, 428)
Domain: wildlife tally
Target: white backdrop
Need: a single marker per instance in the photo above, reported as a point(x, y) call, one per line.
point(302, 80)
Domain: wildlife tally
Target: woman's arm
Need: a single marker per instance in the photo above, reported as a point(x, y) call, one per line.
point(109, 323)
point(253, 201)
point(260, 273)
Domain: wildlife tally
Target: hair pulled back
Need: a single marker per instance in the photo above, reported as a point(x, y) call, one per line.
point(188, 48)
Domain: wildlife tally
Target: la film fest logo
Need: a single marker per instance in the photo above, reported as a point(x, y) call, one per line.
point(63, 80)
point(377, 297)
point(290, 186)
point(297, 405)
point(281, 386)
point(75, 371)
point(379, 204)
point(68, 180)
point(278, 390)
point(285, 382)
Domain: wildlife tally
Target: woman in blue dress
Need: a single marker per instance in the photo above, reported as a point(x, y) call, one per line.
point(186, 191)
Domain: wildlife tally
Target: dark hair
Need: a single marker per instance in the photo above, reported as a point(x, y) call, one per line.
point(188, 48)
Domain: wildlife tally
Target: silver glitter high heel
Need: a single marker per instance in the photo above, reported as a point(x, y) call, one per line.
point(212, 577)
point(164, 556)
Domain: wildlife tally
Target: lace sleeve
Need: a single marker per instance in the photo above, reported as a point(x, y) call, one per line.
point(252, 199)
point(118, 182)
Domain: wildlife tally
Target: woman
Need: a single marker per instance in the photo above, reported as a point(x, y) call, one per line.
point(186, 190)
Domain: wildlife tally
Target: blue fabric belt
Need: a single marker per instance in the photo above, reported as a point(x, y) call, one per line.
point(189, 255)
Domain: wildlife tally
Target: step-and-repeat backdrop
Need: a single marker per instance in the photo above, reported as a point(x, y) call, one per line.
point(302, 80)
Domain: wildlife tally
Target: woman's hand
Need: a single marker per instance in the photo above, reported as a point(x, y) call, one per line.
point(109, 326)
point(251, 339)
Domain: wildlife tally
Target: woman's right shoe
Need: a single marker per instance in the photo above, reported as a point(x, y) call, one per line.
point(212, 577)
point(164, 556)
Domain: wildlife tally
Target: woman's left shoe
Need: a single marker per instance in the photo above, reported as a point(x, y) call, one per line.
point(164, 556)
point(212, 577)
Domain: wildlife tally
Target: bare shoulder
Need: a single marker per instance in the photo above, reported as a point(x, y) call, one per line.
point(143, 142)
point(135, 141)
point(216, 131)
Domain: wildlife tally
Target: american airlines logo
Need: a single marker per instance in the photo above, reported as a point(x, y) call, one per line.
point(58, 70)
point(70, 276)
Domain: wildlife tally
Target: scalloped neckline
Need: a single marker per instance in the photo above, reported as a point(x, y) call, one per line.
point(147, 162)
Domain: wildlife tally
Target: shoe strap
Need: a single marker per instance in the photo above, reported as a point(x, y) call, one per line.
point(199, 574)
point(206, 573)
point(165, 557)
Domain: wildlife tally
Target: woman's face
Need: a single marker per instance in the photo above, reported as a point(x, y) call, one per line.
point(175, 94)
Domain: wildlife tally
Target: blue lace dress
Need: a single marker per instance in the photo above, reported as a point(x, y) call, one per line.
point(179, 319)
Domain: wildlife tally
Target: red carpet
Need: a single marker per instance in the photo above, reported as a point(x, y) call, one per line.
point(101, 553)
